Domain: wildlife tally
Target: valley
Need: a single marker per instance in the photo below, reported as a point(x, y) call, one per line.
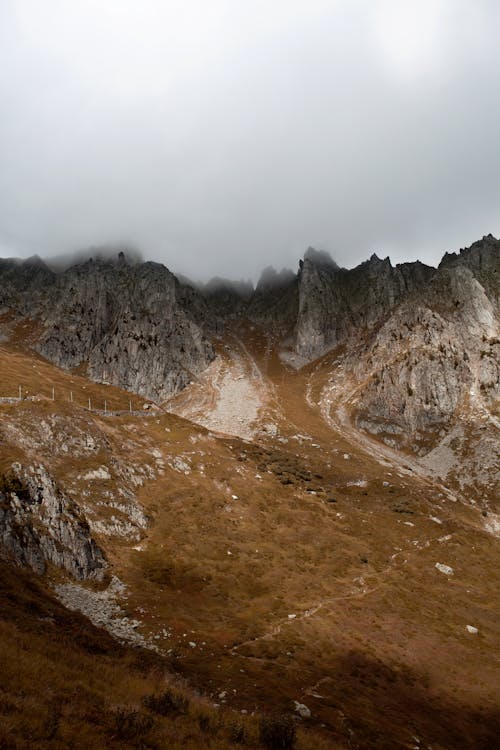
point(300, 518)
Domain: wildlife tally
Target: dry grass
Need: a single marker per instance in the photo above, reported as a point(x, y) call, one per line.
point(67, 684)
point(382, 657)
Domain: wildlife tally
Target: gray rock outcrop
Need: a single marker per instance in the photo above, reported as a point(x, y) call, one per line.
point(418, 341)
point(335, 303)
point(438, 354)
point(40, 525)
point(133, 326)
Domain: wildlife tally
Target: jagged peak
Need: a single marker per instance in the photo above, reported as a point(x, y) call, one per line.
point(448, 258)
point(34, 261)
point(118, 254)
point(415, 264)
point(320, 258)
point(488, 241)
point(375, 260)
point(272, 279)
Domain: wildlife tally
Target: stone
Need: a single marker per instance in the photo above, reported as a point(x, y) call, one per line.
point(39, 524)
point(446, 569)
point(303, 711)
point(134, 326)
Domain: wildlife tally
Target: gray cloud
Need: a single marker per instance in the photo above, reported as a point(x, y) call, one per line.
point(221, 137)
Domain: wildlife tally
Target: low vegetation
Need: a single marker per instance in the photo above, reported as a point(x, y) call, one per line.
point(296, 568)
point(66, 684)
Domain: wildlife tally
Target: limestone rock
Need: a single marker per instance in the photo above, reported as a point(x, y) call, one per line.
point(420, 343)
point(437, 353)
point(39, 524)
point(133, 326)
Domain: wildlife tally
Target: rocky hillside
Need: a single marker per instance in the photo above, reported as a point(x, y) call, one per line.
point(133, 326)
point(437, 356)
point(419, 343)
point(261, 534)
point(39, 524)
point(336, 304)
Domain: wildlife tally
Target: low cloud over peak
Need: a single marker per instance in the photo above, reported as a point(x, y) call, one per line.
point(221, 138)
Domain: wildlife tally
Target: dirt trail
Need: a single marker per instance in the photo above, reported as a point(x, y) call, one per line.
point(334, 411)
point(362, 591)
point(235, 397)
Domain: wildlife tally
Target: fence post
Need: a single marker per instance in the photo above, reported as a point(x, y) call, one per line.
point(53, 393)
point(20, 392)
point(105, 410)
point(89, 404)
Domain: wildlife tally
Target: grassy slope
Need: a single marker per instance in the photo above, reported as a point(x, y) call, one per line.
point(66, 684)
point(384, 656)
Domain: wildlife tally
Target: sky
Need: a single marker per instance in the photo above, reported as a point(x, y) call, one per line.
point(221, 137)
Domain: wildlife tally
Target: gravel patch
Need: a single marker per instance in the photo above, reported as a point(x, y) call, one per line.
point(103, 610)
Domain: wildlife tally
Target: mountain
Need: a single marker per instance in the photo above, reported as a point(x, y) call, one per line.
point(419, 339)
point(419, 345)
point(283, 499)
point(133, 326)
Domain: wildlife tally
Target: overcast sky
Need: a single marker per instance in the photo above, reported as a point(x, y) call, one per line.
point(221, 137)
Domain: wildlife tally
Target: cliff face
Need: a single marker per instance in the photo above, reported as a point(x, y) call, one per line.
point(335, 303)
point(482, 258)
point(436, 355)
point(133, 326)
point(128, 325)
point(274, 304)
point(24, 285)
point(40, 525)
point(419, 343)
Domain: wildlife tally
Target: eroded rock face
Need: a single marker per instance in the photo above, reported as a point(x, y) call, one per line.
point(24, 284)
point(417, 375)
point(133, 326)
point(437, 353)
point(275, 302)
point(482, 258)
point(128, 325)
point(335, 303)
point(421, 340)
point(39, 524)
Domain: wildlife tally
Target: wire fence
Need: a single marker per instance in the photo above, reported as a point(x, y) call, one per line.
point(150, 409)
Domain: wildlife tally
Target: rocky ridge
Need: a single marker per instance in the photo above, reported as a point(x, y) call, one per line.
point(133, 326)
point(419, 342)
point(436, 356)
point(303, 538)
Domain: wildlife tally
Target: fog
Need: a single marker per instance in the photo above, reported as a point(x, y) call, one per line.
point(220, 137)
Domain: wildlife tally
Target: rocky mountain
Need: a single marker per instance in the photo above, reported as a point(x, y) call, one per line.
point(437, 354)
point(133, 326)
point(40, 525)
point(335, 304)
point(418, 341)
point(306, 524)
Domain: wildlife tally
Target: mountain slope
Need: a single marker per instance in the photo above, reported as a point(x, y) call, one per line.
point(317, 541)
point(129, 325)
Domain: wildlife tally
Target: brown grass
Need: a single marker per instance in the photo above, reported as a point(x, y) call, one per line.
point(68, 684)
point(384, 656)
